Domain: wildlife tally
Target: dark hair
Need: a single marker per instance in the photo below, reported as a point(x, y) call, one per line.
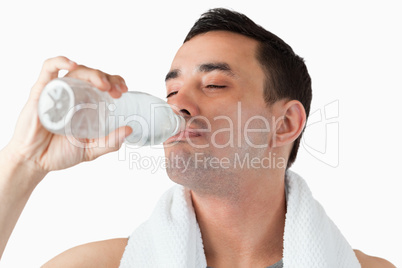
point(286, 74)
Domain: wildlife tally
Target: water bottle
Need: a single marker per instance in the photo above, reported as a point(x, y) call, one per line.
point(68, 106)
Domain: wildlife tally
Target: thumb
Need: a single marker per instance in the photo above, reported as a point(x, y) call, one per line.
point(110, 143)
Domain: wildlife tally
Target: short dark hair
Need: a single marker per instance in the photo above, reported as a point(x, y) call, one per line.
point(286, 74)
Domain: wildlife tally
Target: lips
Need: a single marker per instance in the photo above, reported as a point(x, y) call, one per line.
point(184, 135)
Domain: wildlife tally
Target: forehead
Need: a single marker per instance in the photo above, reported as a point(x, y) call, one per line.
point(218, 46)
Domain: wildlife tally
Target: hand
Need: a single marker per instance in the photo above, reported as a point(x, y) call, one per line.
point(34, 144)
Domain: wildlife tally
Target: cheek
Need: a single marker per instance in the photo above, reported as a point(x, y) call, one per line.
point(224, 131)
point(238, 125)
point(223, 124)
point(256, 129)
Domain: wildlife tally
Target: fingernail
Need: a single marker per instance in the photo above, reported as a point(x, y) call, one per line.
point(118, 87)
point(104, 79)
point(123, 87)
point(128, 131)
point(72, 62)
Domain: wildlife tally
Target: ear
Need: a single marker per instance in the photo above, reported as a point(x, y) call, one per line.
point(289, 124)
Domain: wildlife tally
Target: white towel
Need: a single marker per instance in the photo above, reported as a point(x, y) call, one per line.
point(171, 237)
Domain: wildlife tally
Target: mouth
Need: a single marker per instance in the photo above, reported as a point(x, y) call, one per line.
point(184, 135)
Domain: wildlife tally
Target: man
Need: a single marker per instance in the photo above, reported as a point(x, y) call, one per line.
point(245, 96)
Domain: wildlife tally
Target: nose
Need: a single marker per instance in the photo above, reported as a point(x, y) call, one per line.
point(185, 102)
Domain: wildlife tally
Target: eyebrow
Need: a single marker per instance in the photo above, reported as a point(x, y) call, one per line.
point(204, 68)
point(172, 74)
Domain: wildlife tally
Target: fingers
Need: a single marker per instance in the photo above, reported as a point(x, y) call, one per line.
point(114, 84)
point(50, 70)
point(110, 143)
point(118, 86)
point(52, 66)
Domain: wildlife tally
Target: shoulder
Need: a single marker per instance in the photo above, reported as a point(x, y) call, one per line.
point(107, 253)
point(367, 261)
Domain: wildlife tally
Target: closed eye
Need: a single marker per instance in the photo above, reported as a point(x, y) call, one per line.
point(171, 94)
point(215, 86)
point(208, 86)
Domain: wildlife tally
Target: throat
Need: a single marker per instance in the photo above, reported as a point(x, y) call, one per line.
point(245, 233)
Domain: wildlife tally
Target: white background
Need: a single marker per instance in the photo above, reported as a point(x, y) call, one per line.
point(352, 50)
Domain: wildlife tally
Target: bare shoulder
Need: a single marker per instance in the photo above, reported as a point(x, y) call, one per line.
point(367, 261)
point(99, 254)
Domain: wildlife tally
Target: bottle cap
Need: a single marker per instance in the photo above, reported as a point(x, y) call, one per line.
point(54, 105)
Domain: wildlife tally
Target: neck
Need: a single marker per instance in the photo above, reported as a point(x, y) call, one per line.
point(245, 231)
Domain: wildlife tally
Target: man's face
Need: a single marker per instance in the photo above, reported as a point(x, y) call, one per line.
point(217, 83)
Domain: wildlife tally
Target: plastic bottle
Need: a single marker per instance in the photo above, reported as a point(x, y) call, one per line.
point(69, 106)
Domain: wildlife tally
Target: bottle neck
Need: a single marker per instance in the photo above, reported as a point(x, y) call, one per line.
point(180, 124)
